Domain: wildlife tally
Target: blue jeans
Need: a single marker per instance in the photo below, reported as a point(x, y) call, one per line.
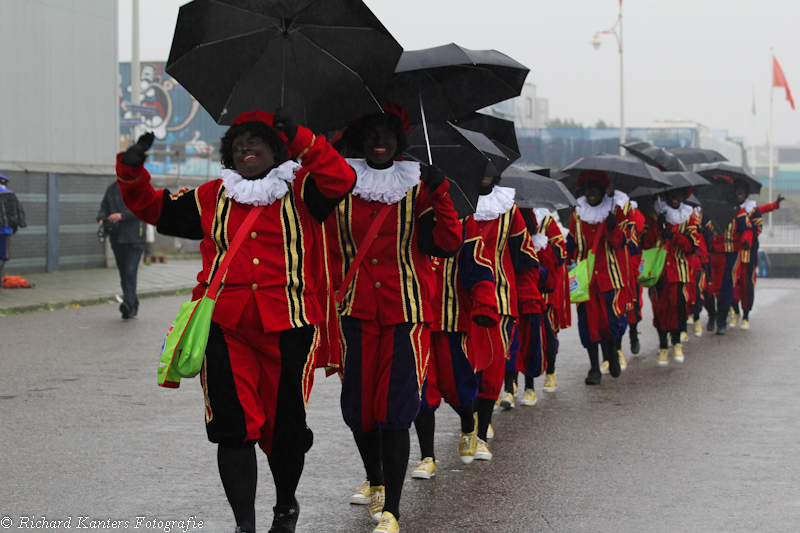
point(128, 256)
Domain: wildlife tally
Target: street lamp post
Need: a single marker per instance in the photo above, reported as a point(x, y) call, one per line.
point(596, 42)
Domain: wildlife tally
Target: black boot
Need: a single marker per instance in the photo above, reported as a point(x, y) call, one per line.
point(594, 376)
point(285, 520)
point(635, 347)
point(611, 355)
point(711, 304)
point(722, 319)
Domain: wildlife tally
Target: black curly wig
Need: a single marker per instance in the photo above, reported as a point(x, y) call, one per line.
point(263, 131)
point(354, 135)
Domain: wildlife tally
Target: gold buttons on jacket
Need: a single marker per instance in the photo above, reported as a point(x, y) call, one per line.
point(255, 286)
point(378, 285)
point(255, 261)
point(374, 261)
point(253, 235)
point(375, 213)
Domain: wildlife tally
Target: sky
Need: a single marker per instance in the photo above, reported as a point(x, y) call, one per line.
point(700, 60)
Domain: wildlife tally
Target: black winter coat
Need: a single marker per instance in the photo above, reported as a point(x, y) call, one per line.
point(11, 213)
point(128, 230)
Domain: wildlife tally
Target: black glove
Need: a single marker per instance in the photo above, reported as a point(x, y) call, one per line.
point(666, 233)
point(284, 121)
point(780, 199)
point(433, 177)
point(611, 221)
point(483, 321)
point(135, 156)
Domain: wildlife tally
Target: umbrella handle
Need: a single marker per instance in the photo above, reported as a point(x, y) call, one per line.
point(425, 130)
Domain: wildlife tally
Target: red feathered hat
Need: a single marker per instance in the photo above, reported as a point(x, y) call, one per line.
point(594, 175)
point(254, 116)
point(399, 112)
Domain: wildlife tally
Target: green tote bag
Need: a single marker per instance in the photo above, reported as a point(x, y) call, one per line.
point(184, 348)
point(651, 266)
point(580, 277)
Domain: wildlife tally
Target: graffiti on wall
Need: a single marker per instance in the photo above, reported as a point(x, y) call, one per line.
point(181, 126)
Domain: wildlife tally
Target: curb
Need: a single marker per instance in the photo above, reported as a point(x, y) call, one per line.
point(48, 306)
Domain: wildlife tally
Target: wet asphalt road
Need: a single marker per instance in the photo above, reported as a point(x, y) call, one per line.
point(709, 445)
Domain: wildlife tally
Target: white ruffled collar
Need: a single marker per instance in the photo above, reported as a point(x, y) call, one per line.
point(541, 213)
point(749, 205)
point(262, 191)
point(386, 185)
point(494, 204)
point(597, 213)
point(621, 199)
point(674, 216)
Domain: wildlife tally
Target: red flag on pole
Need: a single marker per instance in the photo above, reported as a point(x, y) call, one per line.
point(779, 80)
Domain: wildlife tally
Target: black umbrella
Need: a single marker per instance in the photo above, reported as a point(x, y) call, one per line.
point(681, 180)
point(625, 172)
point(329, 61)
point(535, 190)
point(533, 167)
point(500, 131)
point(453, 82)
point(693, 156)
point(645, 196)
point(656, 156)
point(465, 156)
point(719, 213)
point(723, 172)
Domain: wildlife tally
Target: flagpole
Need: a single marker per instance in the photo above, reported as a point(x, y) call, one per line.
point(771, 92)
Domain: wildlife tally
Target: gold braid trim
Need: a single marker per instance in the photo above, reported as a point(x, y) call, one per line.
point(137, 179)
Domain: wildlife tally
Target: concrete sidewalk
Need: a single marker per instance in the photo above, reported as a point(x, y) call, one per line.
point(85, 287)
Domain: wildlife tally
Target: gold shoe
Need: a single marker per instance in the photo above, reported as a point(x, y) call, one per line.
point(387, 523)
point(361, 495)
point(663, 357)
point(604, 367)
point(482, 452)
point(529, 398)
point(734, 320)
point(468, 445)
point(489, 432)
point(745, 324)
point(623, 364)
point(549, 382)
point(684, 336)
point(698, 329)
point(690, 319)
point(376, 501)
point(677, 353)
point(507, 400)
point(426, 469)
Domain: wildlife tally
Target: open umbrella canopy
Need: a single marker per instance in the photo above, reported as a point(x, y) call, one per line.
point(625, 172)
point(453, 82)
point(329, 61)
point(645, 197)
point(687, 178)
point(655, 155)
point(533, 167)
point(719, 213)
point(465, 156)
point(535, 190)
point(500, 131)
point(726, 172)
point(694, 156)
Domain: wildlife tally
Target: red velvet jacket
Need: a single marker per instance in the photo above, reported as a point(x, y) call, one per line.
point(516, 265)
point(395, 282)
point(464, 284)
point(608, 273)
point(738, 231)
point(681, 247)
point(280, 263)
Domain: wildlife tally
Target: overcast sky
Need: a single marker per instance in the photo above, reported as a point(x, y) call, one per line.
point(696, 60)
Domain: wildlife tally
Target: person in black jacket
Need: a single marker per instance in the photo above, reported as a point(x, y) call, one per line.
point(127, 235)
point(12, 217)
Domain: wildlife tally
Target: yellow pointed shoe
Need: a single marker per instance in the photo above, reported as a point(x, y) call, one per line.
point(483, 453)
point(361, 495)
point(426, 469)
point(684, 336)
point(376, 501)
point(467, 446)
point(549, 382)
point(677, 353)
point(663, 357)
point(604, 367)
point(698, 329)
point(529, 398)
point(745, 324)
point(387, 523)
point(623, 364)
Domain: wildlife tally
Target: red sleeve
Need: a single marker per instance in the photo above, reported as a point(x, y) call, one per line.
point(768, 208)
point(138, 193)
point(484, 301)
point(651, 232)
point(448, 231)
point(617, 237)
point(333, 176)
